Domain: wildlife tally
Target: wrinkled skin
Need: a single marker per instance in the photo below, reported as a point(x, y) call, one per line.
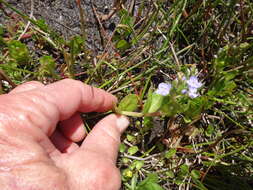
point(37, 152)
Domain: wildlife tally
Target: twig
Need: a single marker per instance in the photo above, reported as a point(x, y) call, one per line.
point(108, 16)
point(82, 21)
point(29, 22)
point(102, 30)
point(142, 159)
point(3, 76)
point(175, 55)
point(119, 89)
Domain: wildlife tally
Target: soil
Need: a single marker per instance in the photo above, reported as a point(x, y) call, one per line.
point(63, 17)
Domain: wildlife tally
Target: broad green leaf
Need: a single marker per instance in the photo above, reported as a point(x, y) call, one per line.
point(150, 183)
point(171, 107)
point(132, 150)
point(156, 103)
point(170, 153)
point(148, 102)
point(129, 103)
point(151, 178)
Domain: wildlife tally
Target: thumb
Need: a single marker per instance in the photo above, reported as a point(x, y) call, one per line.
point(104, 139)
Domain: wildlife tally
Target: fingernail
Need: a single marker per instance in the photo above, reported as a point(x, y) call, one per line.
point(122, 123)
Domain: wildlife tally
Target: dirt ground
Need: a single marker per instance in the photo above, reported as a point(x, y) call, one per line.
point(63, 17)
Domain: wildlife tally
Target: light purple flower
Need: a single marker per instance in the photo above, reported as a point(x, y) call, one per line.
point(193, 92)
point(163, 89)
point(184, 91)
point(193, 85)
point(193, 82)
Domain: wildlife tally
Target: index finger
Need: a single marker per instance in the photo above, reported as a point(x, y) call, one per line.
point(71, 96)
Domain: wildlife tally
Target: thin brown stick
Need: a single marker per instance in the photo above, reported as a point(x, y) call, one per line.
point(3, 76)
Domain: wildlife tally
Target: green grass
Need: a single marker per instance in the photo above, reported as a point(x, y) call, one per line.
point(208, 147)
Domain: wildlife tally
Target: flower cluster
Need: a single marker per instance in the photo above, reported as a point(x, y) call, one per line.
point(192, 87)
point(193, 84)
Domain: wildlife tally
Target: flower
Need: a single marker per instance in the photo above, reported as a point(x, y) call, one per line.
point(193, 82)
point(184, 91)
point(163, 89)
point(192, 87)
point(193, 92)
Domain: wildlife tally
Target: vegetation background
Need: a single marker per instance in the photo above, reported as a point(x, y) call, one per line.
point(129, 47)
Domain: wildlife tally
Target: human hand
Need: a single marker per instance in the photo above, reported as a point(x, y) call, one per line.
point(35, 154)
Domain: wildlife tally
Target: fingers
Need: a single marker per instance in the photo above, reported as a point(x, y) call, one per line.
point(63, 144)
point(27, 86)
point(104, 139)
point(71, 96)
point(44, 106)
point(73, 128)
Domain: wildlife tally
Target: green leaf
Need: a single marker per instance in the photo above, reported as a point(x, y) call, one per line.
point(139, 164)
point(76, 45)
point(126, 18)
point(195, 174)
point(171, 107)
point(122, 44)
point(150, 183)
point(2, 43)
point(148, 124)
point(42, 25)
point(130, 138)
point(199, 184)
point(209, 131)
point(156, 103)
point(223, 86)
point(184, 169)
point(151, 178)
point(19, 52)
point(125, 160)
point(170, 153)
point(122, 148)
point(196, 106)
point(47, 67)
point(1, 30)
point(129, 103)
point(148, 101)
point(150, 186)
point(132, 150)
point(170, 174)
